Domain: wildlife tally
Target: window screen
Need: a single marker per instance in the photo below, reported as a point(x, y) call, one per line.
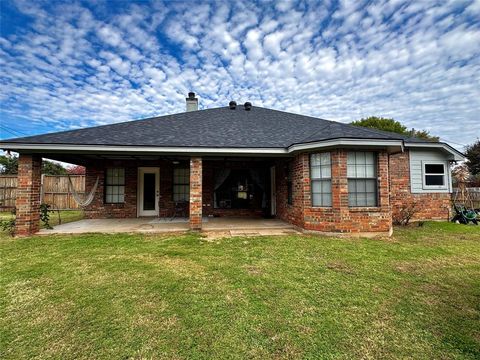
point(362, 178)
point(181, 184)
point(321, 179)
point(115, 186)
point(434, 175)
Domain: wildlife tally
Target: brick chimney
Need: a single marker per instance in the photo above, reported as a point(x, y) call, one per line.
point(192, 102)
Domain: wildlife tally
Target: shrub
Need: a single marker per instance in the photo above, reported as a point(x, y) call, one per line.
point(407, 211)
point(8, 225)
point(45, 216)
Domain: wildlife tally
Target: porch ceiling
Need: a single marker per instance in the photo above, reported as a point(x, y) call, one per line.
point(85, 159)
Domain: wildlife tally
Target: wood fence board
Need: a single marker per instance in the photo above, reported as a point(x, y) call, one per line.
point(55, 191)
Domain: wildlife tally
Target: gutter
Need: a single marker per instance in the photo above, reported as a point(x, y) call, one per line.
point(278, 151)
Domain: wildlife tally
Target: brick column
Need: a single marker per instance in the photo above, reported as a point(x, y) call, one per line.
point(195, 193)
point(28, 195)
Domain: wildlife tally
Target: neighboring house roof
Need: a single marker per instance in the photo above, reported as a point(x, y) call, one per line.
point(215, 128)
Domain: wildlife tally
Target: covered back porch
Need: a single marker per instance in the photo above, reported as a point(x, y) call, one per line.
point(162, 192)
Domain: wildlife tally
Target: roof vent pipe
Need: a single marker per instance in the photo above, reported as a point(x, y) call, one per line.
point(248, 106)
point(232, 105)
point(192, 102)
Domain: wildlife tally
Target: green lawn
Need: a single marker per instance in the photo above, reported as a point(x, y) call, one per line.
point(65, 216)
point(415, 295)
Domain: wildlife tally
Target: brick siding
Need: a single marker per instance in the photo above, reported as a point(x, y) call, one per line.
point(196, 193)
point(430, 206)
point(339, 217)
point(28, 195)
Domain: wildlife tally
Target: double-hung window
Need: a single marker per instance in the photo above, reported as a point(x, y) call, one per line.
point(181, 184)
point(321, 179)
point(362, 178)
point(434, 175)
point(115, 186)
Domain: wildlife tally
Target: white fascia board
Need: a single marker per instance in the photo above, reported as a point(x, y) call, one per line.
point(457, 155)
point(346, 142)
point(88, 149)
point(58, 148)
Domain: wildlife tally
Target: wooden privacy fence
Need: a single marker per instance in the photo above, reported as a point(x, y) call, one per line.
point(472, 199)
point(55, 191)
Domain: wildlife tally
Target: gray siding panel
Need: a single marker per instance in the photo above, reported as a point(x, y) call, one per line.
point(417, 158)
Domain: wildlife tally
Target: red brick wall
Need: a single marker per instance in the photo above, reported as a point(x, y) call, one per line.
point(98, 209)
point(28, 195)
point(431, 206)
point(292, 213)
point(339, 217)
point(196, 193)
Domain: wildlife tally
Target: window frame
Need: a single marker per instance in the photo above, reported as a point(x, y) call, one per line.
point(321, 180)
point(106, 185)
point(425, 174)
point(373, 178)
point(174, 184)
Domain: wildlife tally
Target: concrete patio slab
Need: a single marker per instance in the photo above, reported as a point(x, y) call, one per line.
point(240, 226)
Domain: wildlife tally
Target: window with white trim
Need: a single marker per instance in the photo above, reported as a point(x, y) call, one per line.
point(115, 186)
point(434, 175)
point(181, 184)
point(362, 178)
point(321, 179)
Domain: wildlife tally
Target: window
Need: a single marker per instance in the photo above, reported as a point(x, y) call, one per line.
point(434, 175)
point(321, 179)
point(181, 184)
point(115, 186)
point(362, 178)
point(289, 184)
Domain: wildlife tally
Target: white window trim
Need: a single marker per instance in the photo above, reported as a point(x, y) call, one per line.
point(445, 175)
point(320, 179)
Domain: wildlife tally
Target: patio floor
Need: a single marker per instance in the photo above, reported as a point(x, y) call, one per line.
point(231, 225)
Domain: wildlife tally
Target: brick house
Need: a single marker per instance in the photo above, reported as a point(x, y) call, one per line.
point(246, 161)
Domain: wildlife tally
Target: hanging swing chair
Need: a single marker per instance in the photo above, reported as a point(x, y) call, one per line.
point(78, 198)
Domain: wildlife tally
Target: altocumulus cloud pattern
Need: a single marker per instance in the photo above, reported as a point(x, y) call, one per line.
point(73, 64)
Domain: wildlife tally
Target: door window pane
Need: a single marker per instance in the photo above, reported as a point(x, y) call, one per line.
point(149, 191)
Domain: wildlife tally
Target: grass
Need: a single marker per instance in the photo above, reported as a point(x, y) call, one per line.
point(63, 216)
point(415, 295)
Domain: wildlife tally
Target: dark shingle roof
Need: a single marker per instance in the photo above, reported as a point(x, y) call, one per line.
point(218, 127)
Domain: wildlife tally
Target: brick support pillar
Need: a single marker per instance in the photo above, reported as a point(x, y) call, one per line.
point(195, 193)
point(28, 195)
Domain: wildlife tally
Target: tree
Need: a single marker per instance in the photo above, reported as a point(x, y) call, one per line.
point(391, 125)
point(51, 168)
point(9, 166)
point(473, 155)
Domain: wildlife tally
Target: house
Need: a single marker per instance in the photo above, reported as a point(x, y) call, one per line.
point(248, 161)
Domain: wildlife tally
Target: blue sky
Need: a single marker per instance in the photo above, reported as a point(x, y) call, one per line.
point(73, 64)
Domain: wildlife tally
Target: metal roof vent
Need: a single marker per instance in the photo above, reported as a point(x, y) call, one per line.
point(248, 106)
point(232, 105)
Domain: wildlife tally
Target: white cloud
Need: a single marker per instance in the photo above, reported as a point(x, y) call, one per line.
point(418, 62)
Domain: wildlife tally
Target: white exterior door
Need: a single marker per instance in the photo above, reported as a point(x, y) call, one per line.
point(148, 191)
